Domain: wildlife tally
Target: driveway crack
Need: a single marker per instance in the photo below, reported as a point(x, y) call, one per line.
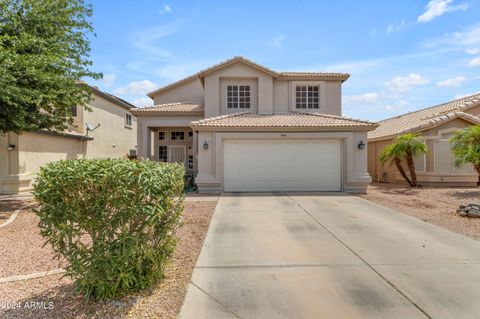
point(391, 284)
point(216, 300)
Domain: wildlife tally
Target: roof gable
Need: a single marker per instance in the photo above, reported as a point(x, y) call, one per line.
point(426, 118)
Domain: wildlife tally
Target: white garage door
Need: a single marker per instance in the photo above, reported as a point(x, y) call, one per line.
point(282, 165)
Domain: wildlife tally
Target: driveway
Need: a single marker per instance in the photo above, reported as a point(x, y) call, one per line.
point(329, 256)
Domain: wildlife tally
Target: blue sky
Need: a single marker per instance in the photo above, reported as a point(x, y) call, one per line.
point(402, 55)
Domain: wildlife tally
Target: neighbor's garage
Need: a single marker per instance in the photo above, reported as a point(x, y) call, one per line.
point(282, 165)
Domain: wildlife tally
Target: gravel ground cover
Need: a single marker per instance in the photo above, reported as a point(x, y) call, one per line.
point(436, 205)
point(54, 296)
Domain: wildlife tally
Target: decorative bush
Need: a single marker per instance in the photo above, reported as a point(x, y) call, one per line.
point(113, 221)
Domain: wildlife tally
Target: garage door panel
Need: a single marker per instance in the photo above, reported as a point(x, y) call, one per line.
point(270, 165)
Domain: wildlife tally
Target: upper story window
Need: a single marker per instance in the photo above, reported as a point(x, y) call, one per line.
point(128, 119)
point(162, 136)
point(177, 136)
point(74, 111)
point(307, 97)
point(238, 96)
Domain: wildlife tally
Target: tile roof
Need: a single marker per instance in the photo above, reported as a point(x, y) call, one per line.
point(66, 133)
point(282, 120)
point(327, 76)
point(425, 118)
point(171, 108)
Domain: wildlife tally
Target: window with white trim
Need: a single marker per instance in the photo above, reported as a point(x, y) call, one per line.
point(177, 136)
point(163, 153)
point(238, 96)
point(190, 161)
point(307, 96)
point(128, 119)
point(162, 136)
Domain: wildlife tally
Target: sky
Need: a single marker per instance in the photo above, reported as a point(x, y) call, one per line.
point(402, 55)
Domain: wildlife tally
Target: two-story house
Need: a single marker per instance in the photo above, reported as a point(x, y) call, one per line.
point(242, 127)
point(106, 130)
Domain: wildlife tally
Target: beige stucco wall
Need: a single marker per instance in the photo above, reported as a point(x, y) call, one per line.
point(210, 161)
point(33, 150)
point(190, 91)
point(112, 139)
point(390, 174)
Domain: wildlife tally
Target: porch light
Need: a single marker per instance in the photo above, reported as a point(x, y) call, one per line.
point(205, 145)
point(11, 147)
point(361, 145)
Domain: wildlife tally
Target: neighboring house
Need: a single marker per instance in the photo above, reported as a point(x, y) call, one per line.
point(21, 156)
point(436, 125)
point(241, 127)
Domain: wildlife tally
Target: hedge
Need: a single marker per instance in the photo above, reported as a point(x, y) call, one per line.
point(113, 221)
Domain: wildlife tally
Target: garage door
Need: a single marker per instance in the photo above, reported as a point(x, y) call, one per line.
point(286, 165)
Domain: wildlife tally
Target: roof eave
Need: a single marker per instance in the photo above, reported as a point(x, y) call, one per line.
point(283, 128)
point(167, 113)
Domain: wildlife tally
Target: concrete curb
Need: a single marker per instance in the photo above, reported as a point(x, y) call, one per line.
point(11, 218)
point(31, 276)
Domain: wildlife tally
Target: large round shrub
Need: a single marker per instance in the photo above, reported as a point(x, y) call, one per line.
point(113, 221)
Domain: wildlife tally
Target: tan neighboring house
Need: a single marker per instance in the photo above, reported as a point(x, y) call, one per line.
point(241, 127)
point(107, 131)
point(436, 125)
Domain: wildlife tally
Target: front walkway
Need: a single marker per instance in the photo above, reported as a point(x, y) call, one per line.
point(329, 256)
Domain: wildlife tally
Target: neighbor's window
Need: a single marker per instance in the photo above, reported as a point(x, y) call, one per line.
point(74, 111)
point(128, 119)
point(190, 161)
point(162, 154)
point(238, 96)
point(307, 97)
point(162, 136)
point(178, 136)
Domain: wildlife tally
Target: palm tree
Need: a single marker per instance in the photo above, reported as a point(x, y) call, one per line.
point(404, 147)
point(466, 148)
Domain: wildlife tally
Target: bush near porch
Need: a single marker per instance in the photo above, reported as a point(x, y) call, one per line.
point(113, 221)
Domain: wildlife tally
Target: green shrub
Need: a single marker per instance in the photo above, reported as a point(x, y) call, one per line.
point(112, 221)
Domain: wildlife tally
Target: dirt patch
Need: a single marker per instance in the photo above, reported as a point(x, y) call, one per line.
point(55, 296)
point(434, 205)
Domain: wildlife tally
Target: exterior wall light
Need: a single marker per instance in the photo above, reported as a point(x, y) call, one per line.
point(11, 147)
point(205, 145)
point(361, 145)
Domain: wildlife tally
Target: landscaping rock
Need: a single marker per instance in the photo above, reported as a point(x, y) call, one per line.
point(470, 210)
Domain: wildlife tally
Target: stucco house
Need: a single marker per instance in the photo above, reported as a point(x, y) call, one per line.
point(239, 126)
point(436, 125)
point(114, 135)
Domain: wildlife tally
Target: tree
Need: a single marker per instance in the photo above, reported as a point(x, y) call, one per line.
point(44, 55)
point(404, 148)
point(466, 148)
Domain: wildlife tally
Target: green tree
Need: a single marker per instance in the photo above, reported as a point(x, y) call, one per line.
point(44, 55)
point(466, 148)
point(404, 148)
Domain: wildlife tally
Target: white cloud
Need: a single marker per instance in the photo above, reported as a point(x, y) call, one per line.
point(143, 101)
point(452, 82)
point(473, 51)
point(397, 106)
point(474, 62)
point(277, 41)
point(165, 9)
point(108, 79)
point(137, 88)
point(465, 39)
point(406, 83)
point(366, 97)
point(461, 96)
point(437, 8)
point(397, 27)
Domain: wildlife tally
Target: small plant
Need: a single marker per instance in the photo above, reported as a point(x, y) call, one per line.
point(404, 147)
point(466, 148)
point(112, 221)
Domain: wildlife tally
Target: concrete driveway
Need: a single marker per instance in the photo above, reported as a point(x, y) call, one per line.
point(329, 256)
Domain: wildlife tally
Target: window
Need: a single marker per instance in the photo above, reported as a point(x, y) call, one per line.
point(306, 97)
point(190, 161)
point(74, 111)
point(178, 136)
point(162, 136)
point(190, 136)
point(444, 161)
point(128, 119)
point(163, 153)
point(238, 96)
